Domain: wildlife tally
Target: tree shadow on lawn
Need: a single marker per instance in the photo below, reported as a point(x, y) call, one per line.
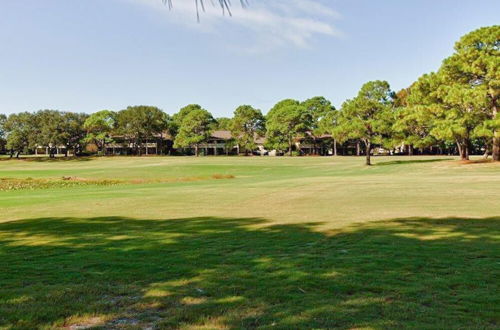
point(412, 161)
point(121, 272)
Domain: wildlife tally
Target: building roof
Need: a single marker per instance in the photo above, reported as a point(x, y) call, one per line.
point(260, 139)
point(311, 135)
point(224, 135)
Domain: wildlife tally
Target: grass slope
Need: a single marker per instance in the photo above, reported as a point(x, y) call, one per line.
point(287, 243)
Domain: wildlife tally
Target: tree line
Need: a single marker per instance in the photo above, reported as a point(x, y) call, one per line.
point(457, 105)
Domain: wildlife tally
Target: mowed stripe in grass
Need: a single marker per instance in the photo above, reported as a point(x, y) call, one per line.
point(333, 191)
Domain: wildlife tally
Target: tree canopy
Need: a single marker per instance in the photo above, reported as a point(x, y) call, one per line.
point(284, 122)
point(73, 131)
point(140, 123)
point(223, 123)
point(3, 119)
point(21, 132)
point(475, 66)
point(246, 124)
point(194, 129)
point(367, 117)
point(100, 126)
point(178, 117)
point(319, 107)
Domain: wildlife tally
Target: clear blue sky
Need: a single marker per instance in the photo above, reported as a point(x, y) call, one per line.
point(89, 55)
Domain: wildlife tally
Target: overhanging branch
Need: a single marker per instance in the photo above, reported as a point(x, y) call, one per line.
point(200, 4)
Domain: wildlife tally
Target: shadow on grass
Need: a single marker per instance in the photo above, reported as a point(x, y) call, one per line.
point(243, 273)
point(412, 161)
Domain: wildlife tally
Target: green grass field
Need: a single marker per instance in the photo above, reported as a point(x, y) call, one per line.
point(216, 242)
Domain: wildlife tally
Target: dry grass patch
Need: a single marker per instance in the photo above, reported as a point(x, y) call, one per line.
point(12, 184)
point(182, 179)
point(222, 176)
point(479, 161)
point(44, 159)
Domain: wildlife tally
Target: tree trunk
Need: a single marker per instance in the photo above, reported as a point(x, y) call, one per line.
point(496, 147)
point(335, 147)
point(463, 150)
point(460, 151)
point(368, 148)
point(496, 137)
point(196, 150)
point(486, 153)
point(410, 150)
point(358, 150)
point(290, 147)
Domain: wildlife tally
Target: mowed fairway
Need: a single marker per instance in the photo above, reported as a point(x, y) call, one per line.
point(254, 242)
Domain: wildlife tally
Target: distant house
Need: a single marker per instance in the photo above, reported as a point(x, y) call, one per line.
point(309, 144)
point(160, 144)
point(56, 150)
point(220, 143)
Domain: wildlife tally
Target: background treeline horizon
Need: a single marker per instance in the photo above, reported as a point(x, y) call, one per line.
point(455, 108)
